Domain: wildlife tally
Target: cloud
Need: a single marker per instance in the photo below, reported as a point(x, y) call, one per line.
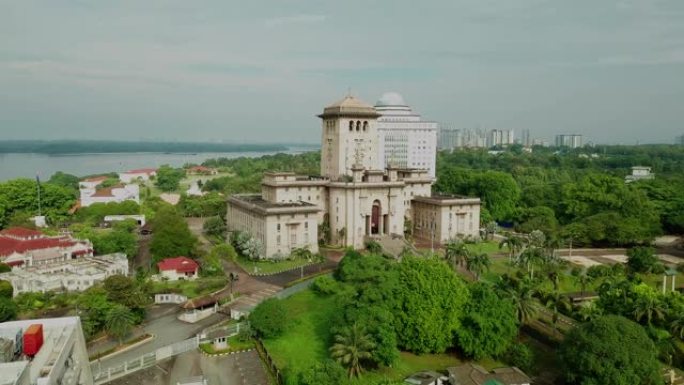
point(294, 19)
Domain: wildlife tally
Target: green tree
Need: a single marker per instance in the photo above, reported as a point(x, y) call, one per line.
point(168, 178)
point(352, 347)
point(513, 243)
point(171, 235)
point(649, 308)
point(214, 226)
point(677, 326)
point(4, 268)
point(558, 304)
point(477, 264)
point(119, 322)
point(269, 319)
point(327, 372)
point(641, 259)
point(6, 289)
point(115, 241)
point(489, 324)
point(430, 304)
point(8, 309)
point(456, 252)
point(610, 350)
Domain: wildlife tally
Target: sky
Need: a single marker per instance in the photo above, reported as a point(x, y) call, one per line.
point(259, 71)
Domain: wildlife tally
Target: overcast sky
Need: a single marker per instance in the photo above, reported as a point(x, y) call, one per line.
point(260, 70)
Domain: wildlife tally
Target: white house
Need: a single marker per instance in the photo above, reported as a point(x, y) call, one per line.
point(117, 193)
point(139, 219)
point(179, 268)
point(143, 174)
point(639, 173)
point(26, 247)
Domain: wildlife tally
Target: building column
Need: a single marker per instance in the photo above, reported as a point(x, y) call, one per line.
point(381, 224)
point(368, 224)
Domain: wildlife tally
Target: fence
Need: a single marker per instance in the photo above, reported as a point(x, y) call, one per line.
point(270, 364)
point(142, 362)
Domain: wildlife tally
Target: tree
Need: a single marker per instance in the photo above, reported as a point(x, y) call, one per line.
point(119, 321)
point(115, 241)
point(4, 268)
point(610, 350)
point(168, 178)
point(649, 307)
point(214, 226)
point(557, 303)
point(456, 252)
point(677, 326)
point(269, 318)
point(430, 303)
point(326, 372)
point(171, 235)
point(478, 263)
point(489, 324)
point(522, 297)
point(352, 346)
point(6, 289)
point(8, 309)
point(641, 259)
point(373, 247)
point(513, 243)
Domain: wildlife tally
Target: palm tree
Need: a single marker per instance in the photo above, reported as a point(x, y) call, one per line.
point(531, 257)
point(584, 280)
point(477, 264)
point(524, 302)
point(352, 346)
point(677, 326)
point(589, 312)
point(513, 244)
point(456, 252)
point(557, 303)
point(650, 308)
point(118, 321)
point(552, 268)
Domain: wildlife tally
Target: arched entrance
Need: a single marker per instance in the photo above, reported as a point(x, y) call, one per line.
point(375, 218)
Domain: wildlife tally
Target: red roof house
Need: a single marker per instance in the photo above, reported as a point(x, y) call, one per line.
point(19, 246)
point(177, 268)
point(21, 233)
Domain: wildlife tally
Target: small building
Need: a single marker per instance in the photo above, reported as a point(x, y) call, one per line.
point(141, 174)
point(92, 182)
point(471, 374)
point(201, 170)
point(199, 308)
point(179, 268)
point(639, 173)
point(114, 194)
point(139, 219)
point(426, 378)
point(442, 217)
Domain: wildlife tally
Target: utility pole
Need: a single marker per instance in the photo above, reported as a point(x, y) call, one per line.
point(40, 211)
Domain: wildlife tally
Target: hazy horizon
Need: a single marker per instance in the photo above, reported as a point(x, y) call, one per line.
point(255, 72)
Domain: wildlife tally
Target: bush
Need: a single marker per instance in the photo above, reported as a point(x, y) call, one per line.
point(328, 372)
point(8, 310)
point(269, 318)
point(520, 356)
point(325, 285)
point(373, 247)
point(680, 267)
point(6, 289)
point(214, 226)
point(4, 268)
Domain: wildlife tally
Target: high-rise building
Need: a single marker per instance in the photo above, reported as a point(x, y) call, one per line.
point(680, 140)
point(499, 138)
point(569, 140)
point(449, 138)
point(526, 139)
point(44, 351)
point(405, 139)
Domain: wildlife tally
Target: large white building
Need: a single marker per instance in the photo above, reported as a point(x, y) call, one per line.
point(405, 139)
point(67, 275)
point(26, 247)
point(61, 359)
point(91, 192)
point(353, 198)
point(569, 140)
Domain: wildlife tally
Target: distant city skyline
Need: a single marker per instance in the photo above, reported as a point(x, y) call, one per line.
point(612, 72)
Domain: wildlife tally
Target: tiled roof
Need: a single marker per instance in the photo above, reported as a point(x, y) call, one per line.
point(21, 232)
point(11, 245)
point(179, 264)
point(141, 171)
point(96, 179)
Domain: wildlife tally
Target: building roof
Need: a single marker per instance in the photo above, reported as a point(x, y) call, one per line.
point(199, 302)
point(12, 245)
point(200, 168)
point(21, 232)
point(179, 264)
point(349, 106)
point(471, 374)
point(391, 99)
point(107, 191)
point(100, 178)
point(256, 201)
point(142, 171)
point(422, 378)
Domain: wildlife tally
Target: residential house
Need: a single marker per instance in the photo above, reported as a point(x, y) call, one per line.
point(179, 268)
point(141, 174)
point(201, 170)
point(21, 246)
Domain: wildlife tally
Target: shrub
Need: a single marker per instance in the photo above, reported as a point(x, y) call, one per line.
point(6, 289)
point(269, 318)
point(325, 285)
point(519, 355)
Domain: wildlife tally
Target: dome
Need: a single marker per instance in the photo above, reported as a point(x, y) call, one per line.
point(389, 99)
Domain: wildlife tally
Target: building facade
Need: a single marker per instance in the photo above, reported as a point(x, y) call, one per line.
point(569, 140)
point(62, 358)
point(26, 247)
point(352, 200)
point(405, 139)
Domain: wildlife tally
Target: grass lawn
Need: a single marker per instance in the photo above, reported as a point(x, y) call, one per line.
point(190, 289)
point(234, 345)
point(307, 339)
point(269, 267)
point(486, 247)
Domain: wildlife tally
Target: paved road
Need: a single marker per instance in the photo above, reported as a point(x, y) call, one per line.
point(167, 330)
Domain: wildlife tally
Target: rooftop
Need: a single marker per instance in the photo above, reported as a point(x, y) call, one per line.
point(141, 171)
point(259, 201)
point(349, 106)
point(21, 232)
point(101, 178)
point(179, 264)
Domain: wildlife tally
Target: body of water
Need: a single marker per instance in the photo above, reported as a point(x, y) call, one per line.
point(28, 165)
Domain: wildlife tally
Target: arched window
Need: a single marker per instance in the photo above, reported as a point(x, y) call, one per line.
point(351, 125)
point(358, 125)
point(365, 125)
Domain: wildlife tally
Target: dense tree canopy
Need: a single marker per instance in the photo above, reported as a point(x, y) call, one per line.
point(171, 236)
point(489, 324)
point(19, 198)
point(168, 178)
point(610, 350)
point(269, 318)
point(431, 302)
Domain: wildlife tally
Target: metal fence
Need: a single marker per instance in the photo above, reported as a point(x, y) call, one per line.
point(145, 361)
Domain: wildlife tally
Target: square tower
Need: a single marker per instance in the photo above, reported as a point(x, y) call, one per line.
point(349, 138)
